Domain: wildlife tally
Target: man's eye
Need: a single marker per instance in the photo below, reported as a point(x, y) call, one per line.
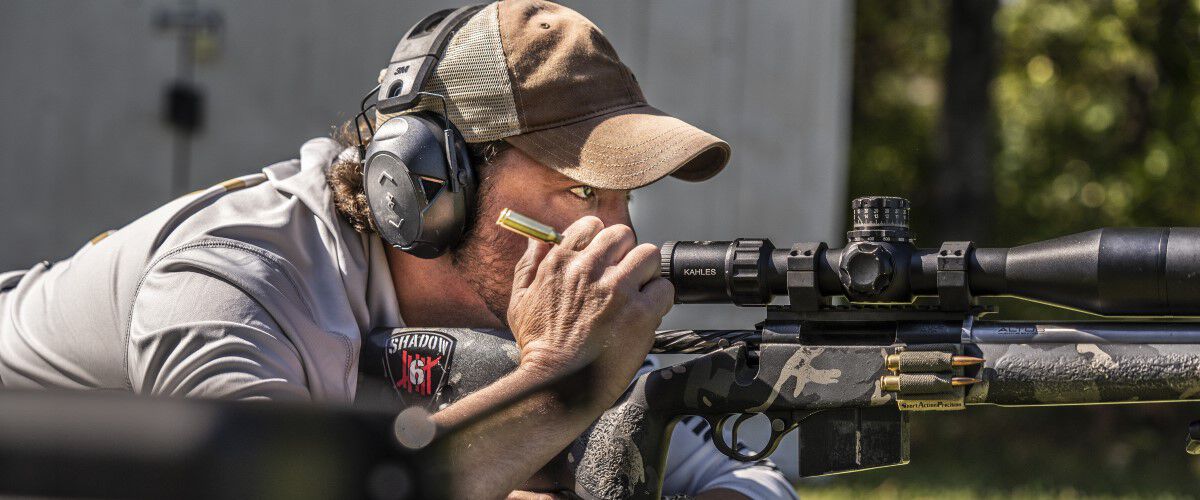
point(584, 192)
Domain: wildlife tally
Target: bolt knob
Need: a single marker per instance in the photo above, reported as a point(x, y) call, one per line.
point(865, 270)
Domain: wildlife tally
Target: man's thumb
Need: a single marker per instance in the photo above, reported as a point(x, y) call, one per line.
point(527, 265)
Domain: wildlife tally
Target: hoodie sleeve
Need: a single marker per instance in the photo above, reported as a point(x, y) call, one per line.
point(193, 334)
point(694, 465)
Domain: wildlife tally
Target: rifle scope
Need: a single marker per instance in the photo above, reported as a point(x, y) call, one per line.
point(1110, 271)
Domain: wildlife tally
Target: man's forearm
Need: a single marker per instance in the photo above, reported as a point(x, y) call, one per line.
point(499, 452)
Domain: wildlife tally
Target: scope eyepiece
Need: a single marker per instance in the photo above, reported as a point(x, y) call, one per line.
point(738, 271)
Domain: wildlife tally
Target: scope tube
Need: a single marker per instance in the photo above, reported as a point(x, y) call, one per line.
point(1111, 271)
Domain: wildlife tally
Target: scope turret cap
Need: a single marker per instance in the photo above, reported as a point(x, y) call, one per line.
point(544, 78)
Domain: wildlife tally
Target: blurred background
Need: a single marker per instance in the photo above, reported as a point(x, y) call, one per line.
point(1003, 122)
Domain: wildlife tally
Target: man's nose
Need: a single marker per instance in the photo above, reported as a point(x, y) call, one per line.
point(618, 213)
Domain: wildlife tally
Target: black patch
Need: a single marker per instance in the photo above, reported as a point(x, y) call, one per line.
point(417, 364)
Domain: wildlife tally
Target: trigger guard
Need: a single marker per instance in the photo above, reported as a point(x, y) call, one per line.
point(717, 429)
point(737, 425)
point(718, 437)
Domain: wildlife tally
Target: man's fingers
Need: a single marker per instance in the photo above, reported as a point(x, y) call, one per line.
point(527, 265)
point(660, 292)
point(640, 265)
point(612, 243)
point(577, 236)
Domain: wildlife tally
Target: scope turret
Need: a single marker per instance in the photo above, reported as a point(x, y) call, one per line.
point(1111, 271)
point(879, 218)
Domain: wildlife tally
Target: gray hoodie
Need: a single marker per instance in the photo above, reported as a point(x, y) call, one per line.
point(251, 289)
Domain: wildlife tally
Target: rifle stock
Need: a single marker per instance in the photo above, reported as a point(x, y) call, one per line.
point(832, 394)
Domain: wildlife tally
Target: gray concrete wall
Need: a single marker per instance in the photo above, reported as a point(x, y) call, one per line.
point(83, 147)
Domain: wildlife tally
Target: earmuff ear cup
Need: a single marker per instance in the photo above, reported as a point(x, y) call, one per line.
point(416, 206)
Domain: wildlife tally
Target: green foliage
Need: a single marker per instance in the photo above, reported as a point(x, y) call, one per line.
point(1095, 108)
point(898, 55)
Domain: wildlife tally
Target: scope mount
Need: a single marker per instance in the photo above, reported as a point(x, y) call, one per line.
point(879, 236)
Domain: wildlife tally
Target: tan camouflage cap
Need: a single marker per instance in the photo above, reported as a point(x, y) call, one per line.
point(544, 78)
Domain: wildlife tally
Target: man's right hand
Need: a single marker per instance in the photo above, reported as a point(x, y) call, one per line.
point(595, 299)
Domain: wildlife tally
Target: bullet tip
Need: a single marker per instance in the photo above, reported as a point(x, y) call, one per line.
point(961, 381)
point(966, 361)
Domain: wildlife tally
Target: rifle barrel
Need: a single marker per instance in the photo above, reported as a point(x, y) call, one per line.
point(1086, 332)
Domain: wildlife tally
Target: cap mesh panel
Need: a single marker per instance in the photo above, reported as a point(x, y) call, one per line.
point(473, 75)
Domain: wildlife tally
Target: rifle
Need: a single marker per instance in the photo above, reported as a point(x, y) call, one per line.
point(870, 332)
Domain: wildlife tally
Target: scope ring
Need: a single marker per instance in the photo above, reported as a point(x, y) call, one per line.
point(718, 436)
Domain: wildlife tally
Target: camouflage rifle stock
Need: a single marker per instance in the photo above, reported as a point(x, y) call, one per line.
point(834, 395)
point(911, 337)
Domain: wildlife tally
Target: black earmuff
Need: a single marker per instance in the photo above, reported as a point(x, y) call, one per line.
point(419, 184)
point(417, 173)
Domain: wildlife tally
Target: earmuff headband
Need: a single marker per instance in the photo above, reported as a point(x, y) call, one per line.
point(416, 55)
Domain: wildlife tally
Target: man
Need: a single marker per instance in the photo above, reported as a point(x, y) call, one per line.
point(262, 287)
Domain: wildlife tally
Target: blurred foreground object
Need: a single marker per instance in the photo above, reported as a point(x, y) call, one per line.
point(116, 445)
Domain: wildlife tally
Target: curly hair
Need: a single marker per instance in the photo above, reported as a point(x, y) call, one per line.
point(345, 176)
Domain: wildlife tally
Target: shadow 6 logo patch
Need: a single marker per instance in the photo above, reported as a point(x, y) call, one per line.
point(418, 365)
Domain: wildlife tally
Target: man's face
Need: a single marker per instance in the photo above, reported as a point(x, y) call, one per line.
point(487, 257)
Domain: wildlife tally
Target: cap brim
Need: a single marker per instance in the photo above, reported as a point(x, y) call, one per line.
point(626, 149)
